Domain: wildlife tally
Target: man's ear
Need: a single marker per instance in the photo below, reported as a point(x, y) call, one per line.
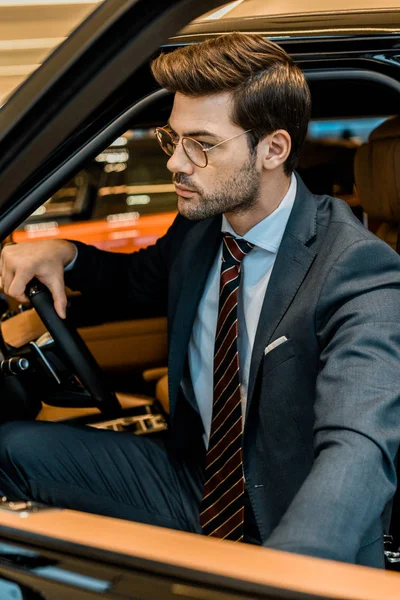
point(274, 149)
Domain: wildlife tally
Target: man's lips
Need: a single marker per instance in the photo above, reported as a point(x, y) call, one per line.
point(185, 192)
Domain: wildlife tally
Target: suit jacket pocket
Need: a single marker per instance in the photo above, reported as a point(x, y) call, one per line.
point(278, 355)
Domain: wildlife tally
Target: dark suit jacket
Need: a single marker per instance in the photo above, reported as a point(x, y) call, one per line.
point(323, 413)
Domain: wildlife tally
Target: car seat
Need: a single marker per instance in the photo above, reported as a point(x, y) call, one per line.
point(377, 179)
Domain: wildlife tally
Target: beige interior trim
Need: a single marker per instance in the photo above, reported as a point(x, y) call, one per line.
point(22, 328)
point(162, 392)
point(60, 413)
point(229, 559)
point(154, 374)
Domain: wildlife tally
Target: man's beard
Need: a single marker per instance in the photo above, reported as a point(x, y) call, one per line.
point(236, 195)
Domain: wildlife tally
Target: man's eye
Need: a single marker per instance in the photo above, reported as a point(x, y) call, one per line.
point(205, 145)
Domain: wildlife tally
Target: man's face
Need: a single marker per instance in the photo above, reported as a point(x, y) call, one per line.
point(230, 182)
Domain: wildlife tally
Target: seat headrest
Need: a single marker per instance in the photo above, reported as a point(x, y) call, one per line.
point(387, 130)
point(377, 171)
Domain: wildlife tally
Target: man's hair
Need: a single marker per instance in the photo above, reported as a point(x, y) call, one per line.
point(269, 91)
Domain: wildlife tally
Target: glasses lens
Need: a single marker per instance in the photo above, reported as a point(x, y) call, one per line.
point(194, 151)
point(166, 141)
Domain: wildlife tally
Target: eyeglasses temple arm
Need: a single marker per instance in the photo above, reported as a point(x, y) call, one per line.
point(231, 138)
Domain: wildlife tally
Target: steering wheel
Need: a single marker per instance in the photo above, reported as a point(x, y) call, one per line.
point(73, 349)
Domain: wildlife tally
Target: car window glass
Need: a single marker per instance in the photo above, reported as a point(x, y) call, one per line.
point(123, 200)
point(134, 178)
point(30, 30)
point(353, 130)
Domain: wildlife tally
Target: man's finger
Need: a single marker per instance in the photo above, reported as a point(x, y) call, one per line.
point(7, 278)
point(17, 286)
point(16, 289)
point(57, 289)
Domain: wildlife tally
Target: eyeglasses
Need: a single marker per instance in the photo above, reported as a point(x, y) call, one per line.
point(194, 150)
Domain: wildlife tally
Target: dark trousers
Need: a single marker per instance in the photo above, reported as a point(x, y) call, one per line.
point(104, 472)
point(109, 473)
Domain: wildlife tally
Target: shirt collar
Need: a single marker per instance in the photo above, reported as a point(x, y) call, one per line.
point(268, 233)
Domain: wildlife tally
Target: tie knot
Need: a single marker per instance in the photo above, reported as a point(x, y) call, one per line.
point(234, 249)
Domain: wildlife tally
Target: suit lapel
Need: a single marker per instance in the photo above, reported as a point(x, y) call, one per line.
point(291, 266)
point(190, 272)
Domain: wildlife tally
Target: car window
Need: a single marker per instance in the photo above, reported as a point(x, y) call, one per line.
point(123, 200)
point(30, 30)
point(134, 177)
point(353, 130)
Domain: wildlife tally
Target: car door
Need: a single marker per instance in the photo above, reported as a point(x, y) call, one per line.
point(53, 122)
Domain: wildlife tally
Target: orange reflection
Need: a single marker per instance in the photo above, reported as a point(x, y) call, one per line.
point(116, 236)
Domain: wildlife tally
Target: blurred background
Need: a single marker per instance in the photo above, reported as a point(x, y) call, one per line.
point(30, 30)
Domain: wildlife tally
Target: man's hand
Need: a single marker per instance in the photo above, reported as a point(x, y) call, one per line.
point(46, 260)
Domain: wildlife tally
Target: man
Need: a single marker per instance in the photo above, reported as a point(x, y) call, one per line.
point(283, 357)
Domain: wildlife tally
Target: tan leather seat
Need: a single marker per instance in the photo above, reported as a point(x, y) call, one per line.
point(377, 178)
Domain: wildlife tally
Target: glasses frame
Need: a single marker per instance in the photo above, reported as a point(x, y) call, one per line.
point(185, 137)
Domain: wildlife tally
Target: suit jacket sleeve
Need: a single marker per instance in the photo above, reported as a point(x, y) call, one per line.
point(117, 286)
point(357, 409)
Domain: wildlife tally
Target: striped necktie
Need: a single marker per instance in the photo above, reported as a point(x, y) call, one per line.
point(222, 507)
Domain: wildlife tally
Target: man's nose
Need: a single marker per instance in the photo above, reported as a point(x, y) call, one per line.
point(179, 162)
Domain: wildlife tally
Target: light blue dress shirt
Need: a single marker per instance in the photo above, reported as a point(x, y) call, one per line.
point(256, 271)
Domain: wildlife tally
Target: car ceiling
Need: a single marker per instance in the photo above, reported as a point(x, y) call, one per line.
point(240, 9)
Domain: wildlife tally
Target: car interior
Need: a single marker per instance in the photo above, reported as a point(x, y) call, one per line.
point(353, 143)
